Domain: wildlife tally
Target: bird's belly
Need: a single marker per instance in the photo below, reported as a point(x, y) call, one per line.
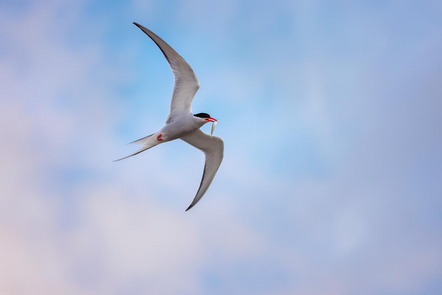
point(174, 131)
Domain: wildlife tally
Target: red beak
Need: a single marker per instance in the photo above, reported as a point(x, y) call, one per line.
point(211, 119)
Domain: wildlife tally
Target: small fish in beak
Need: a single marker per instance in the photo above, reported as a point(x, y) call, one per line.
point(214, 121)
point(213, 127)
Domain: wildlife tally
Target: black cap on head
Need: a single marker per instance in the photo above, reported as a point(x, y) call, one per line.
point(202, 115)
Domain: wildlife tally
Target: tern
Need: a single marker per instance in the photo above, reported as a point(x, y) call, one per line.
point(181, 123)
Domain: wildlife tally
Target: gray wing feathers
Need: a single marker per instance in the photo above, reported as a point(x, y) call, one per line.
point(213, 148)
point(186, 82)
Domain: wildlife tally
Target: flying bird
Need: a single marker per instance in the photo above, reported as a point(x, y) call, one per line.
point(181, 123)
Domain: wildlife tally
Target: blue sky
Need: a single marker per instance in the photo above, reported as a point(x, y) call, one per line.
point(330, 113)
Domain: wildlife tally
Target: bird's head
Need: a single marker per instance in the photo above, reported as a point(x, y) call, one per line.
point(207, 118)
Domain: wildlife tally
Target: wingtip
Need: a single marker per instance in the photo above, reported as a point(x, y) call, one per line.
point(188, 208)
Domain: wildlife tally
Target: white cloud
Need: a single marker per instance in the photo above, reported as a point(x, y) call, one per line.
point(98, 232)
point(72, 222)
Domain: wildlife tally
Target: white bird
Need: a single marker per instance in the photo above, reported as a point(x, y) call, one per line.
point(181, 123)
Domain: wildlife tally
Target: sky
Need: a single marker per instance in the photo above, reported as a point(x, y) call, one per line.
point(330, 114)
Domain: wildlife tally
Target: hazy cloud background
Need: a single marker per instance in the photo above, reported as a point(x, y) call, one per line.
point(330, 112)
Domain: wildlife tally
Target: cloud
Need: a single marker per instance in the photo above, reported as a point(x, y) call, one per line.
point(42, 125)
point(363, 221)
point(72, 222)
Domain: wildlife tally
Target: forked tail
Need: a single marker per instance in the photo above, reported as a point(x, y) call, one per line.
point(147, 142)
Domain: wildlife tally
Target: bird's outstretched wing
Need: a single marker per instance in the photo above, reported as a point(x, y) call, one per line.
point(186, 82)
point(213, 148)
